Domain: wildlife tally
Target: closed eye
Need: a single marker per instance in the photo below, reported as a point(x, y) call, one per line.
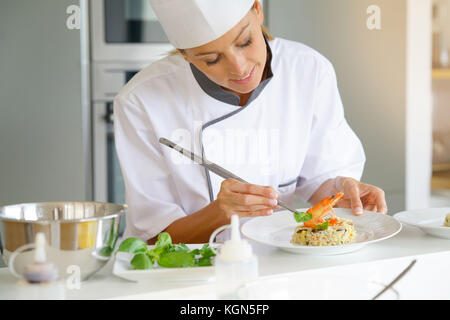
point(249, 42)
point(210, 63)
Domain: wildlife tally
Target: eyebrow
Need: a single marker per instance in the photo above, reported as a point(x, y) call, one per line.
point(214, 52)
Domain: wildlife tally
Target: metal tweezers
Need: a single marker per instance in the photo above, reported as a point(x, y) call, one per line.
point(221, 172)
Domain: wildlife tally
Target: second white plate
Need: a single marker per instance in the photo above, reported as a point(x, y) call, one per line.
point(277, 231)
point(431, 221)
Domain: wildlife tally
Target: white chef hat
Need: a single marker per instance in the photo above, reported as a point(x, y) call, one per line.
point(192, 23)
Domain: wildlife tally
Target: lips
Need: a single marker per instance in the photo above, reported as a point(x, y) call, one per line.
point(246, 79)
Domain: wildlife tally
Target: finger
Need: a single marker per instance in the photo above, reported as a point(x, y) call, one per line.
point(259, 213)
point(254, 208)
point(247, 188)
point(383, 210)
point(352, 192)
point(370, 207)
point(381, 201)
point(246, 201)
point(344, 203)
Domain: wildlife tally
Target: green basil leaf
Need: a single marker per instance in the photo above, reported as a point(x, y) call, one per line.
point(155, 253)
point(141, 262)
point(164, 240)
point(181, 247)
point(151, 257)
point(170, 248)
point(195, 252)
point(133, 245)
point(323, 226)
point(204, 262)
point(176, 259)
point(163, 245)
point(206, 251)
point(302, 216)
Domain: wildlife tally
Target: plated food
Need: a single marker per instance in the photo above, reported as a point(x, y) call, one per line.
point(447, 220)
point(321, 226)
point(278, 229)
point(433, 221)
point(342, 232)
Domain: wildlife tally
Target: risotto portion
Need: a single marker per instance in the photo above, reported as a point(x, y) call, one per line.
point(447, 221)
point(341, 232)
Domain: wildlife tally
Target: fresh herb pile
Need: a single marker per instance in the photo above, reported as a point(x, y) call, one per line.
point(165, 254)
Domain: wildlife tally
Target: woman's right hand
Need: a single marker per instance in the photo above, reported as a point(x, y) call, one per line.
point(246, 200)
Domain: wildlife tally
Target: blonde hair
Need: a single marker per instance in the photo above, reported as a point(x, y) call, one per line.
point(266, 33)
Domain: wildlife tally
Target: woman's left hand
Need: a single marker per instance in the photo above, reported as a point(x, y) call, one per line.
point(359, 196)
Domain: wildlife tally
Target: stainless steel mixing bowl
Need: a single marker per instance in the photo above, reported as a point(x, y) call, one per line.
point(80, 236)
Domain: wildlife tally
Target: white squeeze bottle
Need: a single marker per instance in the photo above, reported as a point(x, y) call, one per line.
point(235, 264)
point(40, 279)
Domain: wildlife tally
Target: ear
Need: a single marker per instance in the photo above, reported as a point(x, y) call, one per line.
point(259, 11)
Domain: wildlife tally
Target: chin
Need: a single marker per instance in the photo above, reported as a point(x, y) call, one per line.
point(242, 91)
point(246, 89)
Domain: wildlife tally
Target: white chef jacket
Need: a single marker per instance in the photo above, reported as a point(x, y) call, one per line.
point(293, 136)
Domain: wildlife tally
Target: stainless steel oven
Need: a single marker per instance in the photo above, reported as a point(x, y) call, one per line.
point(108, 80)
point(126, 30)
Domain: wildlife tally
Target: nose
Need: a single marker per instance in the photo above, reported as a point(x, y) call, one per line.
point(237, 64)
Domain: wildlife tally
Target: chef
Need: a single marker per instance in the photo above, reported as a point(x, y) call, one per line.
point(266, 109)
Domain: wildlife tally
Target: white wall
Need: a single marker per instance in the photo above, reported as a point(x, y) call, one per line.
point(418, 104)
point(41, 119)
point(372, 68)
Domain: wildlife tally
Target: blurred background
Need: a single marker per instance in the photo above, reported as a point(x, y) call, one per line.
point(63, 61)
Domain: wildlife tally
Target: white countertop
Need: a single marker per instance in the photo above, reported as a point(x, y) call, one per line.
point(410, 243)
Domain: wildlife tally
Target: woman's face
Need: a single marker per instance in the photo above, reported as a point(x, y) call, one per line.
point(235, 61)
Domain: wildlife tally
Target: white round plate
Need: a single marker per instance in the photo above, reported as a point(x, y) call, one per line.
point(430, 220)
point(277, 231)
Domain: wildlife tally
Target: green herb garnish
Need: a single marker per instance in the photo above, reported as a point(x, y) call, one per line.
point(141, 262)
point(166, 254)
point(133, 245)
point(323, 226)
point(176, 259)
point(302, 216)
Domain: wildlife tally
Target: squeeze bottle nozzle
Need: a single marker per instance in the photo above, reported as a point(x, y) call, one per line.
point(235, 249)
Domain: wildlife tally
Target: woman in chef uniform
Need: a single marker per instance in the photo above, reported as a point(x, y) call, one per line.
point(266, 109)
